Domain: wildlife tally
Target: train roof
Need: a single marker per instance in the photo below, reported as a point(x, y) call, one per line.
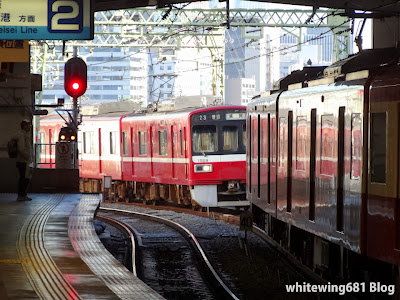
point(182, 102)
point(103, 108)
point(365, 60)
point(183, 112)
point(97, 110)
point(142, 114)
point(370, 59)
point(355, 81)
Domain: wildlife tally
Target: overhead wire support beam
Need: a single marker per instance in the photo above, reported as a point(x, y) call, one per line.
point(215, 17)
point(170, 28)
point(140, 27)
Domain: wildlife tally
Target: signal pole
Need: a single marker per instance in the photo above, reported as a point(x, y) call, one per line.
point(75, 111)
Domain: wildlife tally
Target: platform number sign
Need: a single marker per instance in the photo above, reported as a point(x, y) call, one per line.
point(46, 20)
point(65, 16)
point(246, 221)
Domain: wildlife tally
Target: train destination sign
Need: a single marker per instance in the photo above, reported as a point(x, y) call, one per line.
point(46, 20)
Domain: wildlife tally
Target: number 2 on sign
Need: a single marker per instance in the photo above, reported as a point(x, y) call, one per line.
point(65, 15)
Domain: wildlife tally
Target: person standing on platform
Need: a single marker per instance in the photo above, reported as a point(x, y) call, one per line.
point(24, 159)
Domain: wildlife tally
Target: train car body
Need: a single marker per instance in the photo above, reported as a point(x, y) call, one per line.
point(45, 150)
point(99, 138)
point(323, 165)
point(188, 156)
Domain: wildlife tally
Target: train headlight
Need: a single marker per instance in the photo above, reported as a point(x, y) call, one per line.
point(62, 137)
point(203, 168)
point(73, 138)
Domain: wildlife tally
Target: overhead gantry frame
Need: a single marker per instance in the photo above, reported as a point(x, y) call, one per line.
point(172, 27)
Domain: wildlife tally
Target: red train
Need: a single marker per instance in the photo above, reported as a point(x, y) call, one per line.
point(323, 166)
point(186, 156)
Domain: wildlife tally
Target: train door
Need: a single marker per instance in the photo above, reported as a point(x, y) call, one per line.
point(174, 150)
point(152, 141)
point(264, 180)
point(185, 153)
point(132, 133)
point(272, 161)
point(51, 148)
point(254, 172)
point(383, 209)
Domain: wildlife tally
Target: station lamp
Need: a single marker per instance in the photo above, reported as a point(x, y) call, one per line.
point(75, 77)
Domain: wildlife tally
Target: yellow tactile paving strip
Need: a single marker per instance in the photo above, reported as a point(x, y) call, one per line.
point(85, 241)
point(45, 277)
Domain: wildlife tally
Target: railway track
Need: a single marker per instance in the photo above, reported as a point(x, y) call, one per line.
point(251, 269)
point(168, 256)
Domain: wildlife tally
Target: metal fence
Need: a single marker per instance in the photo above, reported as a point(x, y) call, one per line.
point(45, 156)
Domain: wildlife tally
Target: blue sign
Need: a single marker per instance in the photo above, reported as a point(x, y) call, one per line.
point(46, 20)
point(65, 16)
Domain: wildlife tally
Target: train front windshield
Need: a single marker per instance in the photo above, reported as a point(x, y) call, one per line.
point(205, 138)
point(219, 132)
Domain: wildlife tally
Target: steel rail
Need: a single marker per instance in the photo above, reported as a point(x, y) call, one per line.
point(187, 235)
point(129, 230)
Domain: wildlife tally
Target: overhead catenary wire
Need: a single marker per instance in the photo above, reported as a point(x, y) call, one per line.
point(260, 55)
point(229, 50)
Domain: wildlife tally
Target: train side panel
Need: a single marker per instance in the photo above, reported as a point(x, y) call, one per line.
point(48, 133)
point(261, 154)
point(316, 191)
point(100, 148)
point(158, 152)
point(383, 181)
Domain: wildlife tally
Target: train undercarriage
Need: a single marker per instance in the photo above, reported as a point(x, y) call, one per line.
point(329, 261)
point(152, 193)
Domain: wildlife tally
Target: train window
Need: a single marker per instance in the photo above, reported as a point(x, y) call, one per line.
point(142, 142)
point(255, 138)
point(231, 138)
point(356, 146)
point(174, 141)
point(125, 143)
point(378, 148)
point(42, 142)
point(289, 160)
point(301, 143)
point(313, 138)
point(244, 136)
point(205, 139)
point(328, 145)
point(272, 139)
point(249, 152)
point(181, 141)
point(53, 138)
point(282, 133)
point(113, 142)
point(133, 141)
point(88, 142)
point(162, 142)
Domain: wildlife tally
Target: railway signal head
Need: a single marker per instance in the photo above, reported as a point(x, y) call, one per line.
point(67, 134)
point(75, 77)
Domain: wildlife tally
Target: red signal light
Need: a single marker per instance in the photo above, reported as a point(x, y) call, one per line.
point(75, 77)
point(75, 86)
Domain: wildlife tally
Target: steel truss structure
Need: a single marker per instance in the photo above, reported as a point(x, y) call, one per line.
point(173, 28)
